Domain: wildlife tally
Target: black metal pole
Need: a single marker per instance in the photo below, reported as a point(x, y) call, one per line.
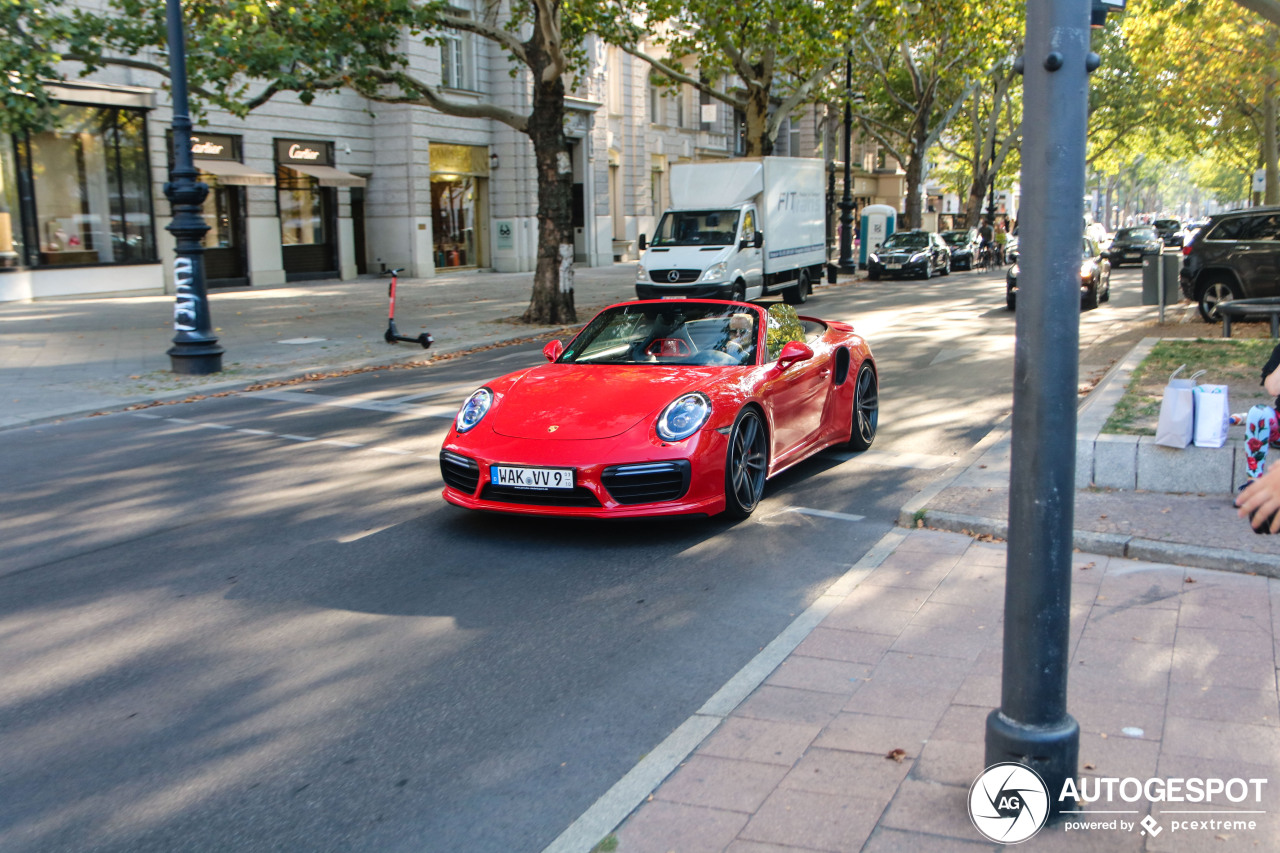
point(847, 262)
point(195, 349)
point(1032, 726)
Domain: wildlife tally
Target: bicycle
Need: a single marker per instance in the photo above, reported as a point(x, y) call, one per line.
point(986, 256)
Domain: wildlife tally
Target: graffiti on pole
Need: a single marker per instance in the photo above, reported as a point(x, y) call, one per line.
point(184, 308)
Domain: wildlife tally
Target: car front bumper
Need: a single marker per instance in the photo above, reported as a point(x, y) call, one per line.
point(612, 478)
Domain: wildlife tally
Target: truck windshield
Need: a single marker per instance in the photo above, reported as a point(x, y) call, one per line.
point(697, 228)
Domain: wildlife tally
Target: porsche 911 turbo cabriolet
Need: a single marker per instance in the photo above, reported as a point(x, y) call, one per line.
point(672, 407)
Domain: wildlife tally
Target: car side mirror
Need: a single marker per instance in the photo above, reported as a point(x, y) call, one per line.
point(642, 243)
point(553, 350)
point(759, 241)
point(793, 353)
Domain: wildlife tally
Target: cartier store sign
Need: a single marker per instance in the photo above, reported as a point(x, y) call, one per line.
point(304, 152)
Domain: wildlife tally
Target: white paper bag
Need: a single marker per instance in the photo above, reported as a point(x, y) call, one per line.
point(1176, 427)
point(1212, 415)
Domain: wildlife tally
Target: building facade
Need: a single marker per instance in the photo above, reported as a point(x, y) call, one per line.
point(345, 187)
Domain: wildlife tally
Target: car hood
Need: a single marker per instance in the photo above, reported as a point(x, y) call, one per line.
point(591, 401)
point(685, 257)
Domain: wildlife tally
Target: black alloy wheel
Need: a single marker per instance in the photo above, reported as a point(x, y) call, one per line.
point(746, 464)
point(866, 409)
point(1217, 291)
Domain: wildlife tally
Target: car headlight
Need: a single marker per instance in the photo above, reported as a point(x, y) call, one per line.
point(716, 272)
point(476, 407)
point(919, 256)
point(641, 273)
point(683, 417)
point(1086, 269)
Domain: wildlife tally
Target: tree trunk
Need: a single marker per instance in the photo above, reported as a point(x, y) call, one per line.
point(552, 299)
point(758, 142)
point(977, 197)
point(915, 172)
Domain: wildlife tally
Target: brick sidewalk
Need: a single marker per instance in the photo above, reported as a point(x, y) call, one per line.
point(1173, 674)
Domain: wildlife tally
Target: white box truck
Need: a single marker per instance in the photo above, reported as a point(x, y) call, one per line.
point(739, 229)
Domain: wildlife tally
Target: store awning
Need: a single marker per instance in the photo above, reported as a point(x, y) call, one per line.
point(234, 174)
point(329, 176)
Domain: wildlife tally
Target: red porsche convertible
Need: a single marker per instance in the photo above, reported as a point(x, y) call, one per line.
point(663, 408)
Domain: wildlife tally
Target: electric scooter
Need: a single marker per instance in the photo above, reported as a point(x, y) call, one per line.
point(392, 334)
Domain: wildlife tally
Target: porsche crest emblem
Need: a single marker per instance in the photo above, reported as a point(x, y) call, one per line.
point(553, 428)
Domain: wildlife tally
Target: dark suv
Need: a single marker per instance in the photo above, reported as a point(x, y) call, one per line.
point(1235, 256)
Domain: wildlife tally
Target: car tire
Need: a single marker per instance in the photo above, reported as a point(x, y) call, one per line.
point(739, 291)
point(798, 293)
point(1106, 290)
point(928, 270)
point(1216, 290)
point(746, 464)
point(866, 409)
point(946, 268)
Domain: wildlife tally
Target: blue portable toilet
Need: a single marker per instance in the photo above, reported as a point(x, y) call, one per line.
point(877, 225)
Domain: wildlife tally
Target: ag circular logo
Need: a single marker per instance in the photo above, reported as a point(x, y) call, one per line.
point(1008, 803)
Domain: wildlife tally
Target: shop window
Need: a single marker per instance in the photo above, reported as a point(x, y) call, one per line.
point(458, 174)
point(91, 188)
point(11, 243)
point(302, 209)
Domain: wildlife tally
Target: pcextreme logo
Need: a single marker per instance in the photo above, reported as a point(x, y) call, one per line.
point(1008, 803)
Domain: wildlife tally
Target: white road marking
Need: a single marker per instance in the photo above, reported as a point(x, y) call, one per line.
point(148, 416)
point(825, 513)
point(894, 459)
point(391, 406)
point(296, 437)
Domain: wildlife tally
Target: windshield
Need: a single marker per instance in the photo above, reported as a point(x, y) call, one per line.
point(697, 228)
point(1146, 233)
point(906, 240)
point(668, 333)
point(955, 238)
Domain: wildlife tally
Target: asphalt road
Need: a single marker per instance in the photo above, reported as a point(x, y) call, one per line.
point(251, 623)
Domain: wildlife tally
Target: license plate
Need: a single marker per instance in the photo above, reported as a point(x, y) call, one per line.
point(1132, 254)
point(893, 266)
point(531, 478)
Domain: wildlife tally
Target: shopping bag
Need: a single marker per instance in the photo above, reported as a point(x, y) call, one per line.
point(1176, 426)
point(1212, 415)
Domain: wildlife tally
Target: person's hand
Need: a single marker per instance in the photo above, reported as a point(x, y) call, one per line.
point(1260, 503)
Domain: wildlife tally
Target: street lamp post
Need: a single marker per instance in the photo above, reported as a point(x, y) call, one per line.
point(847, 262)
point(195, 349)
point(1032, 726)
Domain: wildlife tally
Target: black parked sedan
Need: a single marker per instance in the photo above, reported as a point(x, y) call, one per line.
point(1095, 278)
point(1131, 245)
point(964, 247)
point(918, 254)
